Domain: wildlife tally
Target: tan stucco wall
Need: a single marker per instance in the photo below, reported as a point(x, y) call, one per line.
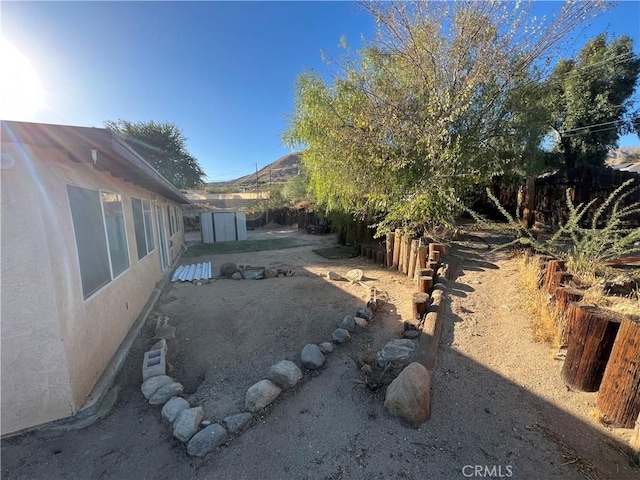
point(87, 332)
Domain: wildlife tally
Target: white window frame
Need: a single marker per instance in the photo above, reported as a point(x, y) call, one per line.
point(148, 250)
point(106, 239)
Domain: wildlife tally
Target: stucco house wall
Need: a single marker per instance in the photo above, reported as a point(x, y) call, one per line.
point(55, 343)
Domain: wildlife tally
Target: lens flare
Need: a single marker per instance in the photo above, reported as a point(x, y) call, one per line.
point(21, 93)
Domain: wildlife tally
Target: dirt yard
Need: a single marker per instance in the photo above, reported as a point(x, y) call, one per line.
point(498, 401)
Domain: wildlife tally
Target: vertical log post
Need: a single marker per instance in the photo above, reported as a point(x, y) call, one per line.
point(435, 256)
point(423, 251)
point(553, 266)
point(396, 249)
point(413, 258)
point(363, 250)
point(389, 247)
point(419, 305)
point(380, 255)
point(591, 334)
point(437, 247)
point(425, 283)
point(619, 396)
point(422, 272)
point(369, 253)
point(402, 249)
point(433, 266)
point(407, 254)
point(564, 297)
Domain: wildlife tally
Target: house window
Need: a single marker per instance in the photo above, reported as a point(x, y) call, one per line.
point(116, 233)
point(178, 219)
point(98, 224)
point(172, 220)
point(143, 227)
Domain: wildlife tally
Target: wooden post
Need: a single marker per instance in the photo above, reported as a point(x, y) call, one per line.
point(425, 284)
point(553, 266)
point(389, 247)
point(435, 256)
point(433, 266)
point(413, 258)
point(619, 396)
point(407, 254)
point(369, 253)
point(419, 305)
point(422, 272)
point(380, 255)
point(437, 247)
point(591, 333)
point(634, 442)
point(564, 297)
point(363, 250)
point(402, 248)
point(396, 249)
point(423, 251)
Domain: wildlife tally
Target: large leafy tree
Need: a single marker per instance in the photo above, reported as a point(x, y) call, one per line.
point(590, 100)
point(444, 98)
point(163, 145)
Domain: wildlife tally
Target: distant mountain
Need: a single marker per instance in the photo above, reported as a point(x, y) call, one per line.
point(623, 155)
point(280, 171)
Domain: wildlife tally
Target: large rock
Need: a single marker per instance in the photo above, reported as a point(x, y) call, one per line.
point(331, 275)
point(285, 374)
point(326, 347)
point(261, 394)
point(340, 335)
point(173, 407)
point(207, 440)
point(233, 423)
point(187, 423)
point(311, 356)
point(365, 313)
point(408, 397)
point(398, 351)
point(172, 389)
point(228, 268)
point(153, 384)
point(348, 324)
point(361, 322)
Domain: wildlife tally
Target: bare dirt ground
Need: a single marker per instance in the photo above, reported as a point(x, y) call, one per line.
point(498, 401)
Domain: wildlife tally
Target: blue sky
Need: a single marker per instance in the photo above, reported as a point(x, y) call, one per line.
point(224, 72)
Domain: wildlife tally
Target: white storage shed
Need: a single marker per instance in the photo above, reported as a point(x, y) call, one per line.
point(223, 226)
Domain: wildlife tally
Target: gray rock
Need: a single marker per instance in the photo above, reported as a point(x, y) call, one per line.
point(365, 313)
point(285, 374)
point(411, 333)
point(236, 276)
point(408, 396)
point(261, 394)
point(333, 276)
point(165, 331)
point(340, 335)
point(187, 422)
point(311, 356)
point(172, 389)
point(173, 407)
point(361, 322)
point(234, 423)
point(326, 347)
point(348, 323)
point(398, 351)
point(205, 423)
point(207, 440)
point(228, 268)
point(153, 384)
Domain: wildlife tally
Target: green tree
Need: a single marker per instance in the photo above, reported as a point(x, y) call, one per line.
point(443, 99)
point(163, 145)
point(590, 100)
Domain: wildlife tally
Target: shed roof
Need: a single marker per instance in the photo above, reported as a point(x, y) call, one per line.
point(112, 153)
